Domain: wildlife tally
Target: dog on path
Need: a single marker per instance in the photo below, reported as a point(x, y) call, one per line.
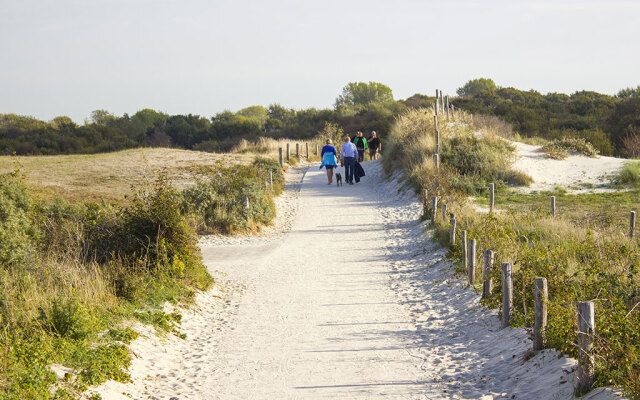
point(338, 179)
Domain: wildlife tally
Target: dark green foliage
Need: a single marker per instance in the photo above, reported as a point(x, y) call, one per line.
point(601, 119)
point(476, 86)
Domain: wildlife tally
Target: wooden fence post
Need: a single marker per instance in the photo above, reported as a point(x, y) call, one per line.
point(436, 159)
point(446, 107)
point(507, 294)
point(452, 230)
point(245, 201)
point(553, 206)
point(317, 153)
point(444, 212)
point(280, 156)
point(307, 145)
point(271, 180)
point(487, 281)
point(297, 150)
point(288, 153)
point(632, 224)
point(434, 209)
point(436, 104)
point(492, 196)
point(463, 242)
point(441, 102)
point(586, 330)
point(540, 297)
point(472, 261)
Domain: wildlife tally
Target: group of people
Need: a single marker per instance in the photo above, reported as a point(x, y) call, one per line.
point(351, 155)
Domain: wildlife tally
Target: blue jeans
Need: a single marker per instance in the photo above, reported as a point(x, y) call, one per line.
point(349, 164)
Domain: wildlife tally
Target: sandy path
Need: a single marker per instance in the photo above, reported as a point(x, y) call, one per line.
point(355, 302)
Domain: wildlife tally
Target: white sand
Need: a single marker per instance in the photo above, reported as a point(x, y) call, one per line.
point(576, 173)
point(355, 302)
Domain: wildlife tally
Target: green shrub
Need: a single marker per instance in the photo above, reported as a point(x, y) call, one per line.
point(16, 228)
point(217, 202)
point(560, 148)
point(68, 318)
point(629, 175)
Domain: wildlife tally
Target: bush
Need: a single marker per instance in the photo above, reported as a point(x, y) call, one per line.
point(16, 228)
point(217, 203)
point(559, 149)
point(629, 175)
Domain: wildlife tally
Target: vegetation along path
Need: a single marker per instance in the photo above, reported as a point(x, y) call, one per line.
point(355, 302)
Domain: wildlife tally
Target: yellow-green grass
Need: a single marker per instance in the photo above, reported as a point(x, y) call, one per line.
point(112, 176)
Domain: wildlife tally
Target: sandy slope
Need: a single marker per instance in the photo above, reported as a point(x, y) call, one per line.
point(576, 173)
point(355, 302)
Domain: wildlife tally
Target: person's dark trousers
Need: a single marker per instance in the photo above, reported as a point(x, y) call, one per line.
point(349, 164)
point(360, 154)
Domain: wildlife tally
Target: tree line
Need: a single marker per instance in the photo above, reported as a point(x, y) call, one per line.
point(610, 123)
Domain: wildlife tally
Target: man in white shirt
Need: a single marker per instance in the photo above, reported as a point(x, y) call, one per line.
point(348, 156)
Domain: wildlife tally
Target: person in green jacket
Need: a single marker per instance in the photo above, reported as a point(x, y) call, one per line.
point(361, 145)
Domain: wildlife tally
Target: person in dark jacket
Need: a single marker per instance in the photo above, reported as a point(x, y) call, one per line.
point(361, 145)
point(374, 145)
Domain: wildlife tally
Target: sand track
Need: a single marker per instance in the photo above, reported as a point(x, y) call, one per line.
point(354, 302)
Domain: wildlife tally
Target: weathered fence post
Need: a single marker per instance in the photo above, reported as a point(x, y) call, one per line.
point(446, 107)
point(452, 230)
point(434, 209)
point(297, 150)
point(288, 153)
point(280, 156)
point(492, 196)
point(436, 160)
point(472, 261)
point(632, 224)
point(540, 297)
point(463, 242)
point(487, 282)
point(317, 153)
point(245, 201)
point(271, 179)
point(307, 145)
point(436, 103)
point(507, 294)
point(444, 212)
point(586, 330)
point(441, 102)
point(553, 206)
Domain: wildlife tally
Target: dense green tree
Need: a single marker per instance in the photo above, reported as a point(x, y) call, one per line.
point(361, 94)
point(476, 86)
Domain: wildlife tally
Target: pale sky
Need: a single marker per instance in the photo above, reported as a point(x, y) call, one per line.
point(67, 57)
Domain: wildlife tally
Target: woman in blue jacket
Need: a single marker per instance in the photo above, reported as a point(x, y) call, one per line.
point(329, 157)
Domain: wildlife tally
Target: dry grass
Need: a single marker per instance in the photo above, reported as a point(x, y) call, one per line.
point(111, 176)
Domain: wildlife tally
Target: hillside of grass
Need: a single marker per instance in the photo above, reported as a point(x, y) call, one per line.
point(75, 273)
point(585, 251)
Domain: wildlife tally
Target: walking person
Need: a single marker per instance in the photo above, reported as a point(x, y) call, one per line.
point(374, 145)
point(361, 145)
point(348, 155)
point(329, 157)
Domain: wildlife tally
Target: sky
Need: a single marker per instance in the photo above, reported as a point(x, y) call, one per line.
point(67, 57)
